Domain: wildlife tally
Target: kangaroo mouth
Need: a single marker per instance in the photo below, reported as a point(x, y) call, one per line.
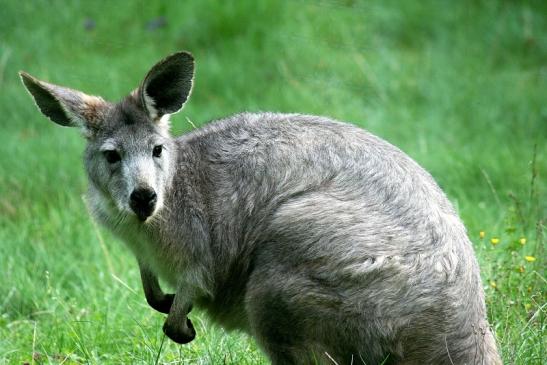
point(143, 216)
point(143, 212)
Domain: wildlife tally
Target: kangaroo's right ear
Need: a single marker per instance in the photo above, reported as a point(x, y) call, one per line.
point(64, 106)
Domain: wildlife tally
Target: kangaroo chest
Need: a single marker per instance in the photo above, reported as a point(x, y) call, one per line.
point(156, 252)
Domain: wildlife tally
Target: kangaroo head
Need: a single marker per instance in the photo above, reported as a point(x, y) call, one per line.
point(130, 155)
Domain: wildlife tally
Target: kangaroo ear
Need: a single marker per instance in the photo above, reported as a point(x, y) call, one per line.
point(64, 106)
point(167, 85)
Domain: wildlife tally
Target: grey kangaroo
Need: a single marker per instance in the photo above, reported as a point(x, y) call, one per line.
point(322, 241)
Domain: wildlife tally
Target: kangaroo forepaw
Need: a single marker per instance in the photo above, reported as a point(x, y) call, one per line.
point(180, 334)
point(163, 305)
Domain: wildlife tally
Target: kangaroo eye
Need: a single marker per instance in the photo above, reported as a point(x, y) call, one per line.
point(112, 156)
point(156, 152)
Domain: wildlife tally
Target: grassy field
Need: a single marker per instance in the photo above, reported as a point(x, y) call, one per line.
point(461, 86)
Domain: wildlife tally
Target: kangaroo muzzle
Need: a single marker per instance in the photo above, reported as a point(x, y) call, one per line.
point(143, 201)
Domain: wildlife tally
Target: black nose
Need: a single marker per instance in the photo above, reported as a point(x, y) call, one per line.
point(142, 201)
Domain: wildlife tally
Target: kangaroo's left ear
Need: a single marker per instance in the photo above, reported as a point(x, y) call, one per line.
point(167, 85)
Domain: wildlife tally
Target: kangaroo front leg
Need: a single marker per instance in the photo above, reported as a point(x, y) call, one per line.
point(155, 297)
point(178, 326)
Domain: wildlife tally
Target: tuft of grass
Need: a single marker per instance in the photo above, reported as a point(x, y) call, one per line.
point(459, 86)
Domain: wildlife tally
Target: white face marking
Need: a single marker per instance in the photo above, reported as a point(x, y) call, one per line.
point(108, 145)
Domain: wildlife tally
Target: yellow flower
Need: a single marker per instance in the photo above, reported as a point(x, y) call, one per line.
point(530, 258)
point(481, 234)
point(521, 268)
point(493, 284)
point(494, 241)
point(522, 241)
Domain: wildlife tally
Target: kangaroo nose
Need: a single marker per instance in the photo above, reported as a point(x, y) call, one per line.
point(142, 201)
point(143, 196)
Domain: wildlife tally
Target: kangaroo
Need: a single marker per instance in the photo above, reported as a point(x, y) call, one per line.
point(320, 240)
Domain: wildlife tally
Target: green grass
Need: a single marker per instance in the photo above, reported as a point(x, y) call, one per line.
point(461, 86)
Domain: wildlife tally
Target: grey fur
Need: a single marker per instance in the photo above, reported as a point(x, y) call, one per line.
point(319, 239)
